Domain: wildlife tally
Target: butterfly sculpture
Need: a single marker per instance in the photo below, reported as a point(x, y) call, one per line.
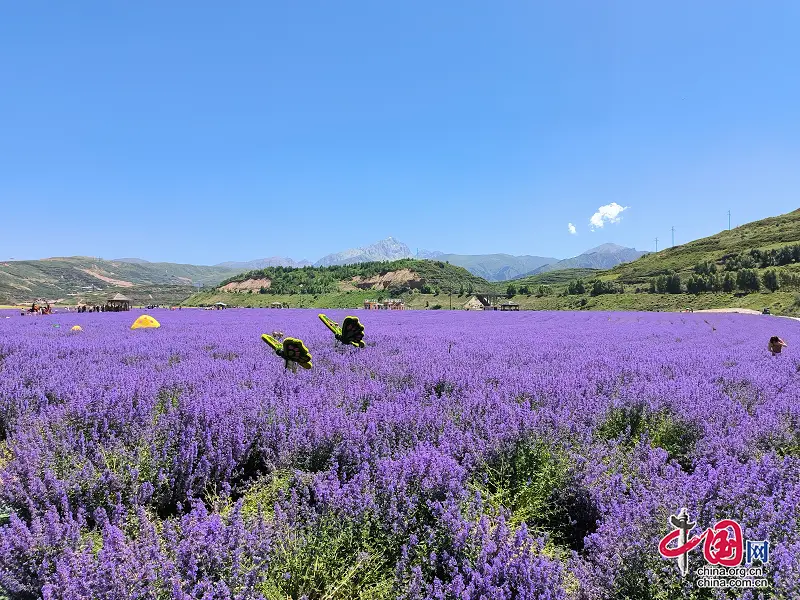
point(291, 350)
point(351, 331)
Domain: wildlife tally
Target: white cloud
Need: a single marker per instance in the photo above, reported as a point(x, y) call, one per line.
point(572, 229)
point(609, 213)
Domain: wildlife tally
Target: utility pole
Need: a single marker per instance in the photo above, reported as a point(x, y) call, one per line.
point(729, 220)
point(656, 244)
point(673, 236)
point(451, 297)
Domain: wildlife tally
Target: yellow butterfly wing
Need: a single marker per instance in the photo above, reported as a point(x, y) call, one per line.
point(275, 344)
point(353, 332)
point(332, 325)
point(294, 349)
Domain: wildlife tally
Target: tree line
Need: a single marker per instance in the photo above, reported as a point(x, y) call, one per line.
point(705, 278)
point(762, 259)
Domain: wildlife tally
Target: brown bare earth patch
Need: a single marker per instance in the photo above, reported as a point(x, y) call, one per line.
point(243, 286)
point(95, 272)
point(403, 277)
point(346, 286)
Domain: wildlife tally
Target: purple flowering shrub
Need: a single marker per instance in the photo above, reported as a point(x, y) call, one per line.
point(458, 455)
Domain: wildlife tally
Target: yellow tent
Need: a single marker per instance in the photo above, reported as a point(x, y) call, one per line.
point(77, 328)
point(145, 321)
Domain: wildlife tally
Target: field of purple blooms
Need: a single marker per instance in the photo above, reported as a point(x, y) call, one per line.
point(459, 455)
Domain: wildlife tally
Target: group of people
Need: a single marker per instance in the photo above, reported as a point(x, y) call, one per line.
point(37, 309)
point(84, 308)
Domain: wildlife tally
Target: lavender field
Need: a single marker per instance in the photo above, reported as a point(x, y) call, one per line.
point(457, 456)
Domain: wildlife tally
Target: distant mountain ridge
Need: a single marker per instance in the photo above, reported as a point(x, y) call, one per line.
point(262, 263)
point(76, 276)
point(605, 256)
point(388, 249)
point(131, 261)
point(496, 267)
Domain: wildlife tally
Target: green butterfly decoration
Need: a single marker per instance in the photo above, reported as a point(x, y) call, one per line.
point(291, 350)
point(351, 331)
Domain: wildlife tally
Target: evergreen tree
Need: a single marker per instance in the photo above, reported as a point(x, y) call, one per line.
point(747, 280)
point(728, 283)
point(770, 279)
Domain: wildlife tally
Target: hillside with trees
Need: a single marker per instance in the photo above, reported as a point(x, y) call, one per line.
point(753, 266)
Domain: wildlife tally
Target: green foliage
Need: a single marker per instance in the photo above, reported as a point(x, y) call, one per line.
point(605, 287)
point(788, 281)
point(332, 559)
point(666, 284)
point(322, 280)
point(748, 280)
point(576, 287)
point(533, 481)
point(262, 494)
point(664, 429)
point(704, 283)
point(511, 290)
point(561, 277)
point(770, 279)
point(756, 258)
point(774, 232)
point(728, 283)
point(525, 290)
point(705, 268)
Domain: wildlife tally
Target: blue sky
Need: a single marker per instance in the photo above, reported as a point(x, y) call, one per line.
point(198, 132)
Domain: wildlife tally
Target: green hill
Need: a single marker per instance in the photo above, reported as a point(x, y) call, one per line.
point(560, 277)
point(72, 278)
point(416, 281)
point(764, 235)
point(399, 276)
point(754, 266)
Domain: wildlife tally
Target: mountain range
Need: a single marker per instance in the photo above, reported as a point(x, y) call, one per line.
point(604, 256)
point(492, 267)
point(83, 276)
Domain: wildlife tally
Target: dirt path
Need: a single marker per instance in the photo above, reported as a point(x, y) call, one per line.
point(743, 311)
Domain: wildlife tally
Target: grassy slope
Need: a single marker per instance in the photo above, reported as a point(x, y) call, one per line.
point(560, 277)
point(779, 302)
point(767, 233)
point(349, 299)
point(23, 281)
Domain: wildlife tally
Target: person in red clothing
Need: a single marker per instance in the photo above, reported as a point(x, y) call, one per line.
point(776, 344)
